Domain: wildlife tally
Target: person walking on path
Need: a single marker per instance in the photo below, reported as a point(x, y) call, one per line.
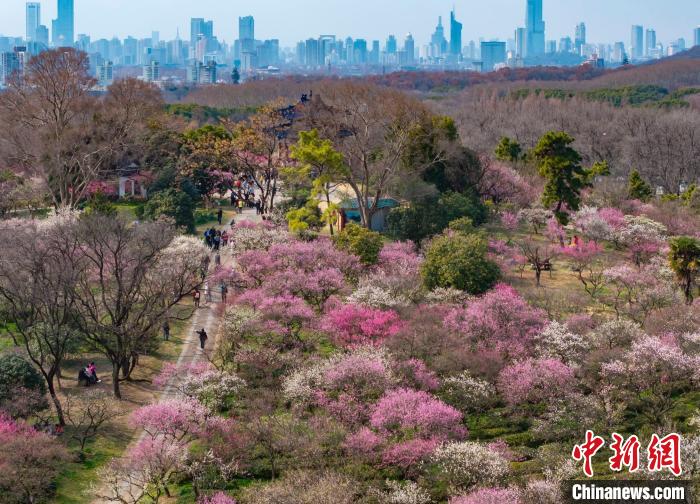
point(241, 204)
point(202, 338)
point(207, 293)
point(197, 296)
point(166, 331)
point(219, 215)
point(224, 292)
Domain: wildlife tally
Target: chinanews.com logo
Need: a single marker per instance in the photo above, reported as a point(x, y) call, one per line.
point(661, 454)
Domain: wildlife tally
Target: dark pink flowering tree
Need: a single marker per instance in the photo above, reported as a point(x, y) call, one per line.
point(354, 325)
point(413, 423)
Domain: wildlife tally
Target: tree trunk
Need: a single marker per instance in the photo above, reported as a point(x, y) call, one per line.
point(55, 400)
point(328, 207)
point(538, 274)
point(115, 380)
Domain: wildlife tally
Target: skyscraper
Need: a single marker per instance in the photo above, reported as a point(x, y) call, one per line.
point(580, 38)
point(534, 26)
point(201, 37)
point(697, 36)
point(246, 34)
point(455, 35)
point(637, 42)
point(63, 25)
point(409, 47)
point(391, 45)
point(33, 20)
point(492, 53)
point(438, 42)
point(650, 42)
point(520, 38)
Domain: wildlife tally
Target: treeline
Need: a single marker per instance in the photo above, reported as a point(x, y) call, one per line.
point(663, 144)
point(638, 95)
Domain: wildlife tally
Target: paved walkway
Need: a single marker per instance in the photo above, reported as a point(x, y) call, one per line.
point(207, 317)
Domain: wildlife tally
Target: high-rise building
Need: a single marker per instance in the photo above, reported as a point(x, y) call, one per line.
point(650, 43)
point(374, 54)
point(580, 37)
point(391, 45)
point(520, 38)
point(697, 36)
point(492, 53)
point(359, 49)
point(637, 42)
point(105, 73)
point(246, 34)
point(63, 25)
point(200, 30)
point(409, 48)
point(313, 58)
point(455, 35)
point(534, 25)
point(565, 45)
point(151, 72)
point(33, 20)
point(42, 36)
point(550, 47)
point(619, 53)
point(12, 63)
point(438, 42)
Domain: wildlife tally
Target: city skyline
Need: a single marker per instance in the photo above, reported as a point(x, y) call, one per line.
point(290, 23)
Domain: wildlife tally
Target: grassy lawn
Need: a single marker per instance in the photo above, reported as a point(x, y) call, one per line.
point(73, 486)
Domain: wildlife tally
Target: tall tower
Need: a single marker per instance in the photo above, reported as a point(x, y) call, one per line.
point(455, 35)
point(650, 44)
point(438, 41)
point(580, 38)
point(696, 34)
point(534, 27)
point(246, 35)
point(64, 25)
point(637, 42)
point(33, 20)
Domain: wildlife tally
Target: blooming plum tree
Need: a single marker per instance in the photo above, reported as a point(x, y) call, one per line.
point(535, 380)
point(353, 325)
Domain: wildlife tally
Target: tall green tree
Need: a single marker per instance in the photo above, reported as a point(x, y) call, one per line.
point(508, 150)
point(560, 165)
point(324, 164)
point(638, 188)
point(684, 259)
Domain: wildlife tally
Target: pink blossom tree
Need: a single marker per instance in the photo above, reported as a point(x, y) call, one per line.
point(353, 325)
point(535, 380)
point(585, 259)
point(174, 419)
point(490, 496)
point(29, 462)
point(414, 423)
point(217, 498)
point(651, 374)
point(501, 322)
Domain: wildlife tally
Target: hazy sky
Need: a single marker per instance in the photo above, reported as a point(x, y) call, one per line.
point(293, 20)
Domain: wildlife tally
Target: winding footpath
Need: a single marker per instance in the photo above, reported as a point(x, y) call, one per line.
point(207, 317)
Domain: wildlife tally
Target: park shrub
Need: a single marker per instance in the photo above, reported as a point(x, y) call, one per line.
point(459, 261)
point(361, 242)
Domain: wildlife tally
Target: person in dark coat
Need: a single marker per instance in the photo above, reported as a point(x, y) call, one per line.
point(202, 338)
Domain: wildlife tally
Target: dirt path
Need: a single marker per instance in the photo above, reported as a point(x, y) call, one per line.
point(207, 317)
